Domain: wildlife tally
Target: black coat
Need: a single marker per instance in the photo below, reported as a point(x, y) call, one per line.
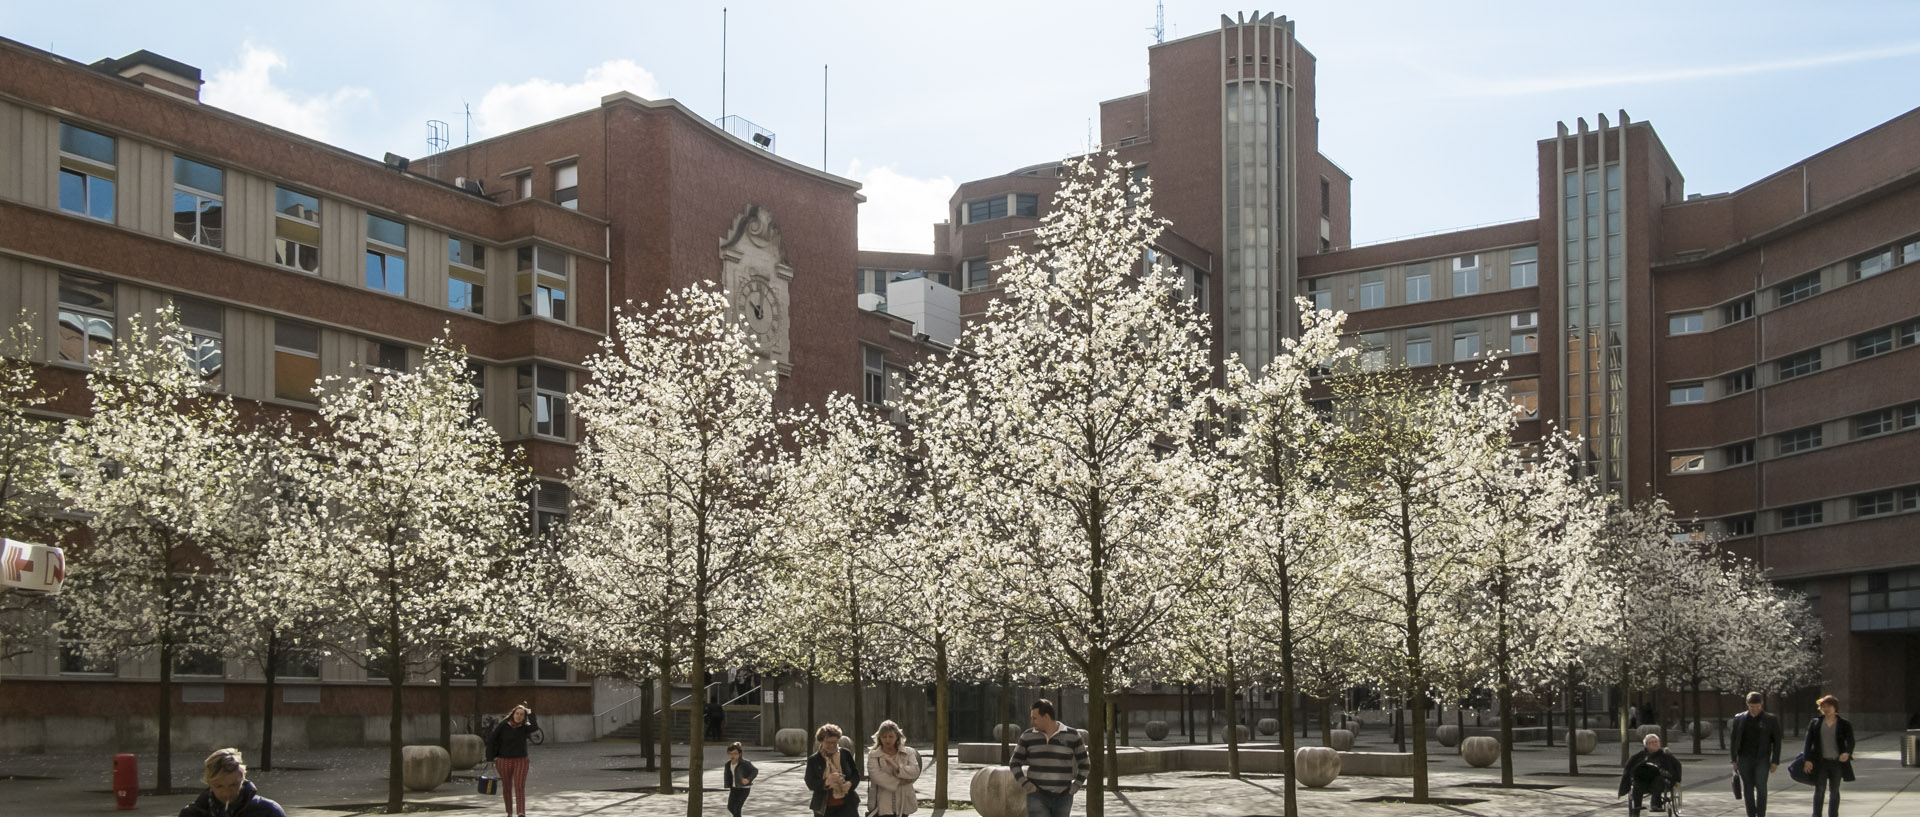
point(1759, 736)
point(1663, 759)
point(742, 769)
point(817, 781)
point(248, 804)
point(1842, 735)
point(510, 741)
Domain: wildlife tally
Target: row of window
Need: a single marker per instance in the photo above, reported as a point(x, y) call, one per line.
point(1863, 506)
point(1799, 289)
point(1523, 337)
point(1870, 424)
point(1417, 280)
point(1800, 364)
point(87, 186)
point(1025, 205)
point(87, 326)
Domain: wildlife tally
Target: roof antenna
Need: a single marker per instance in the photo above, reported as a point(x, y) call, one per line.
point(1159, 23)
point(723, 62)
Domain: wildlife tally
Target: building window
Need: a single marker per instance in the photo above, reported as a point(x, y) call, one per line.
point(1873, 343)
point(74, 660)
point(1799, 289)
point(298, 664)
point(198, 203)
point(1523, 336)
point(523, 186)
point(385, 357)
point(875, 375)
point(1523, 268)
point(1740, 381)
point(86, 318)
point(1026, 204)
point(1687, 461)
point(1373, 351)
point(1373, 289)
point(386, 255)
point(1910, 333)
point(543, 400)
point(296, 230)
point(566, 186)
point(1910, 499)
point(1800, 365)
point(1875, 504)
point(1800, 515)
point(1326, 198)
point(87, 172)
point(1737, 311)
point(1686, 323)
point(550, 499)
point(1321, 296)
point(1420, 347)
point(1683, 393)
point(1740, 525)
point(1525, 393)
point(1803, 439)
point(296, 360)
point(1466, 275)
point(1874, 264)
point(1199, 288)
point(535, 668)
point(1466, 341)
point(1419, 283)
point(206, 345)
point(1739, 453)
point(986, 209)
point(466, 276)
point(542, 282)
point(977, 274)
point(1886, 420)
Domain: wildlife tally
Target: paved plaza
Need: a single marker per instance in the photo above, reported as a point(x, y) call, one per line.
point(596, 779)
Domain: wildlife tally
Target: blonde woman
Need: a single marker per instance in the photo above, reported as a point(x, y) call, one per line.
point(833, 776)
point(892, 766)
point(229, 793)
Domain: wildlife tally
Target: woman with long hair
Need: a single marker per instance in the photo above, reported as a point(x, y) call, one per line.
point(892, 766)
point(507, 750)
point(229, 793)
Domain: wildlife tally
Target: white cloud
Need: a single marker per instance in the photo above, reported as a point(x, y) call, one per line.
point(511, 107)
point(249, 91)
point(1549, 84)
point(901, 210)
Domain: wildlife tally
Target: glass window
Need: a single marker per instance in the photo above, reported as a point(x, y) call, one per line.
point(1419, 283)
point(550, 500)
point(1800, 365)
point(523, 186)
point(1873, 343)
point(1910, 333)
point(543, 400)
point(296, 360)
point(566, 186)
point(296, 242)
point(385, 357)
point(1026, 204)
point(1875, 504)
point(1879, 422)
point(986, 209)
point(1318, 292)
point(387, 231)
point(1523, 336)
point(1798, 440)
point(1800, 515)
point(1682, 393)
point(1420, 347)
point(86, 318)
point(875, 368)
point(1740, 381)
point(542, 669)
point(1740, 525)
point(1373, 289)
point(1525, 393)
point(1739, 453)
point(198, 212)
point(206, 344)
point(977, 274)
point(1523, 268)
point(75, 661)
point(1689, 461)
point(386, 255)
point(542, 282)
point(1466, 275)
point(1799, 289)
point(1373, 351)
point(1466, 341)
point(1738, 311)
point(87, 172)
point(466, 276)
point(1874, 264)
point(1686, 323)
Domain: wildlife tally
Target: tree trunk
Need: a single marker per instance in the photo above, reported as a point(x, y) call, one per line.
point(1005, 714)
point(1503, 680)
point(272, 672)
point(812, 689)
point(163, 765)
point(696, 736)
point(1096, 727)
point(646, 723)
point(446, 704)
point(1326, 722)
point(1233, 730)
point(859, 709)
point(666, 722)
point(1573, 756)
point(942, 706)
point(1690, 724)
point(1289, 696)
point(1626, 702)
point(396, 714)
point(1186, 711)
point(1113, 745)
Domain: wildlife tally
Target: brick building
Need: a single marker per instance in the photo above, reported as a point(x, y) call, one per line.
point(1747, 355)
point(120, 192)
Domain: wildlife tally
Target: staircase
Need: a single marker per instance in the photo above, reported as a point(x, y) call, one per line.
point(742, 724)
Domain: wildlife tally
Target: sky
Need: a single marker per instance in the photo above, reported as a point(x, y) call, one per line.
point(1432, 107)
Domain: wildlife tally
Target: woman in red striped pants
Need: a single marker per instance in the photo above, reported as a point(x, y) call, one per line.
point(507, 749)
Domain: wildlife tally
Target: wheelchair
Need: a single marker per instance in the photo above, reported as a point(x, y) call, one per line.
point(1656, 786)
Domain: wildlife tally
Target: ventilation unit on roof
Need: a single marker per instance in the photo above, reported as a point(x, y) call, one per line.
point(739, 126)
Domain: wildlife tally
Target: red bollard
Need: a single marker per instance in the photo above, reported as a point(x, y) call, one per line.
point(126, 782)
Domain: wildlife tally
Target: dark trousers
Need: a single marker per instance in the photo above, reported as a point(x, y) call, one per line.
point(1826, 786)
point(736, 800)
point(1753, 776)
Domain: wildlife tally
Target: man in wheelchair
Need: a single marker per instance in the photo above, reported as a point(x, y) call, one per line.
point(1653, 771)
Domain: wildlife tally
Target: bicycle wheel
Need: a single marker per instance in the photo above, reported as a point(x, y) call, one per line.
point(538, 737)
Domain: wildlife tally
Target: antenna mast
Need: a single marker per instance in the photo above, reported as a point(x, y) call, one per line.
point(723, 62)
point(1159, 23)
point(823, 117)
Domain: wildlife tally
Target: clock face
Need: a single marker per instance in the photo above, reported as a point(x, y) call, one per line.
point(760, 305)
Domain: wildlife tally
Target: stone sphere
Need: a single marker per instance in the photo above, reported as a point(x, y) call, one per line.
point(1703, 729)
point(468, 751)
point(1644, 731)
point(1241, 734)
point(1340, 740)
point(1007, 732)
point(424, 768)
point(1480, 751)
point(994, 793)
point(1447, 735)
point(1267, 726)
point(791, 742)
point(1156, 730)
point(1315, 766)
point(1584, 741)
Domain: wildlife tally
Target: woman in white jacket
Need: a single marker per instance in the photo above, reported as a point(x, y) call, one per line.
point(892, 766)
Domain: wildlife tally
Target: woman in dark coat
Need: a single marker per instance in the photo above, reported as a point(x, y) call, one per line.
point(507, 750)
point(833, 776)
point(1829, 755)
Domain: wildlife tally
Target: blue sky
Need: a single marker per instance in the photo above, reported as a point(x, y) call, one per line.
point(1433, 107)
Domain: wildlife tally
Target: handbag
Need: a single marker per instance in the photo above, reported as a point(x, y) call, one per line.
point(1798, 770)
point(487, 783)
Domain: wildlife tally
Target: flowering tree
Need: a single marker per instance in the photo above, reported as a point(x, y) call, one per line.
point(678, 429)
point(1069, 393)
point(407, 503)
point(163, 471)
point(26, 471)
point(1773, 643)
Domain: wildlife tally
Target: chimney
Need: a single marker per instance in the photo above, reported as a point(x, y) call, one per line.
point(158, 73)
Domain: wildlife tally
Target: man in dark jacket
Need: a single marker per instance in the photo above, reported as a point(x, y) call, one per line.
point(1653, 771)
point(1755, 744)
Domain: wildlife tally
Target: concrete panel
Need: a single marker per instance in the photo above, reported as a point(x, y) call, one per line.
point(23, 736)
point(1377, 764)
point(145, 197)
point(39, 159)
point(249, 215)
point(10, 153)
point(334, 731)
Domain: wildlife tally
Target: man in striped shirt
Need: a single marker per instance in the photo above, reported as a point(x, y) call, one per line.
point(1051, 763)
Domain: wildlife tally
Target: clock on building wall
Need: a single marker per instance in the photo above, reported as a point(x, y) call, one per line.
point(754, 270)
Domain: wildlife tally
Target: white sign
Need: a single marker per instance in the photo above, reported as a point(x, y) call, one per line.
point(32, 568)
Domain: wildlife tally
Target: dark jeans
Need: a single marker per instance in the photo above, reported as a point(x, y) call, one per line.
point(1044, 803)
point(1656, 786)
point(736, 800)
point(1826, 786)
point(1753, 775)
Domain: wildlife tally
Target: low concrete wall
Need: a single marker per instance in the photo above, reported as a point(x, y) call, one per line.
point(138, 733)
point(1376, 764)
point(1254, 759)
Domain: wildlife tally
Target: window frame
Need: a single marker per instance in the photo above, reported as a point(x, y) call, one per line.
point(289, 230)
point(282, 348)
point(1798, 289)
point(461, 273)
point(96, 175)
point(1685, 394)
point(567, 195)
point(544, 288)
point(1798, 440)
point(532, 396)
point(1686, 323)
point(1798, 365)
point(201, 198)
point(873, 375)
point(1466, 278)
point(85, 319)
point(1523, 271)
point(1803, 515)
point(1424, 277)
point(977, 274)
point(204, 336)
